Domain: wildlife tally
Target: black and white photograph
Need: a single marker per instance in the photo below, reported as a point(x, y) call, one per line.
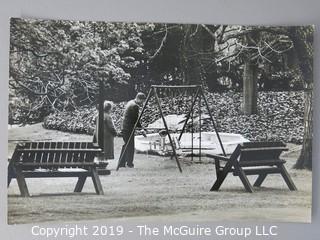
point(159, 122)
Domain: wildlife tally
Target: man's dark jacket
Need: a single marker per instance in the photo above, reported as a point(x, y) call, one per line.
point(131, 115)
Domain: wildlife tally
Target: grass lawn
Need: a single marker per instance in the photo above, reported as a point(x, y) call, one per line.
point(155, 190)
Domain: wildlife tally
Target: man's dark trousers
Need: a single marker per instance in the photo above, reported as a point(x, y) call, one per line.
point(127, 156)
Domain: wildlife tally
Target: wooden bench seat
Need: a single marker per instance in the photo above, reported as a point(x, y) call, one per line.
point(252, 158)
point(54, 159)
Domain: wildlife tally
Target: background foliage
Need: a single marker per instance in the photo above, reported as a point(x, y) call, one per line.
point(56, 66)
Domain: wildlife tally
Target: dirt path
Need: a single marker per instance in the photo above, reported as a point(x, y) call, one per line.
point(155, 190)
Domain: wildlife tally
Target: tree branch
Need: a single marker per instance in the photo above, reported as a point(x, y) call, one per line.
point(212, 34)
point(254, 30)
point(161, 45)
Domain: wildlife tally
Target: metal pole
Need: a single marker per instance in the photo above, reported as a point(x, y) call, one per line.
point(134, 128)
point(189, 113)
point(165, 125)
point(214, 125)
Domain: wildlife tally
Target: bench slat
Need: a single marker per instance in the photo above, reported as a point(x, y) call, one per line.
point(37, 155)
point(261, 162)
point(219, 157)
point(57, 157)
point(55, 164)
point(64, 154)
point(32, 155)
point(262, 144)
point(76, 154)
point(40, 145)
point(52, 156)
point(82, 155)
point(45, 153)
point(70, 154)
point(271, 170)
point(48, 150)
point(52, 174)
point(261, 149)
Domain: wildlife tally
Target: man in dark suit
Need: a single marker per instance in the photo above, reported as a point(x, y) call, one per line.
point(131, 115)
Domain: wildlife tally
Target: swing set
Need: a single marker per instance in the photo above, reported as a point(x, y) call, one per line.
point(263, 156)
point(197, 95)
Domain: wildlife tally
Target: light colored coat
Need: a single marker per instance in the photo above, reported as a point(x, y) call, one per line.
point(109, 132)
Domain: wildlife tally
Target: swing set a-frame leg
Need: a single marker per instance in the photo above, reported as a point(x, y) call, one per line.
point(167, 129)
point(189, 114)
point(214, 125)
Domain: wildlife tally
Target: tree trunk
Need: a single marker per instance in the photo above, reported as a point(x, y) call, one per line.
point(305, 158)
point(250, 88)
point(302, 38)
